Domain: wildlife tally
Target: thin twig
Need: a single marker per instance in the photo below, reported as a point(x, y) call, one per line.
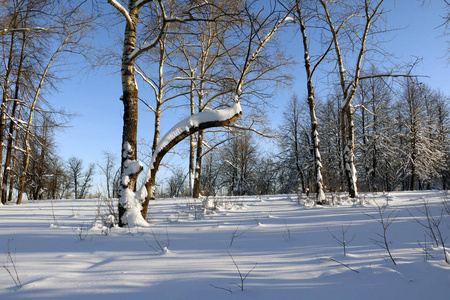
point(240, 274)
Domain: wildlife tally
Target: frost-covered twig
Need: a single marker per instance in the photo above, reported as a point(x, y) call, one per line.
point(55, 222)
point(81, 232)
point(424, 249)
point(221, 288)
point(429, 223)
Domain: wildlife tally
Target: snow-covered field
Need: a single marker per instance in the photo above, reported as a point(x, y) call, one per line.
point(61, 251)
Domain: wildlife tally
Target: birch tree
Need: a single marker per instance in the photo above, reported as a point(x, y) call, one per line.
point(337, 18)
point(133, 205)
point(310, 67)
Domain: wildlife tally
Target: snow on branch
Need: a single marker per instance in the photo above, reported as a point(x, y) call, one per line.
point(122, 10)
point(9, 30)
point(140, 3)
point(144, 47)
point(189, 125)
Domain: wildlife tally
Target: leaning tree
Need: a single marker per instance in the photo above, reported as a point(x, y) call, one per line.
point(133, 203)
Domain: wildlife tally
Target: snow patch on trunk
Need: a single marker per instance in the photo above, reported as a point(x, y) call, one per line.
point(130, 167)
point(133, 207)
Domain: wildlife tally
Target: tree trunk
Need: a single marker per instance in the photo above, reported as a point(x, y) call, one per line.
point(129, 171)
point(198, 159)
point(3, 107)
point(220, 119)
point(317, 160)
point(192, 142)
point(13, 175)
point(198, 165)
point(348, 144)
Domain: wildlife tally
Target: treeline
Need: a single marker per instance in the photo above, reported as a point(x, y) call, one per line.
point(222, 62)
point(402, 131)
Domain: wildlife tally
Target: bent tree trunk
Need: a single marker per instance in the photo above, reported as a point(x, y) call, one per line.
point(133, 205)
point(180, 131)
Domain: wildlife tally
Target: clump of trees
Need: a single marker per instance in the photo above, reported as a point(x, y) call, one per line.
point(35, 38)
point(221, 61)
point(402, 131)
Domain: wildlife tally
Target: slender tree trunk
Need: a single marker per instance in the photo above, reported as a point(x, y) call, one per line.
point(192, 141)
point(317, 160)
point(11, 122)
point(3, 106)
point(26, 159)
point(198, 165)
point(198, 158)
point(348, 143)
point(13, 167)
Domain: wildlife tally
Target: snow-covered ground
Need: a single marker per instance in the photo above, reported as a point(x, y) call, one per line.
point(61, 250)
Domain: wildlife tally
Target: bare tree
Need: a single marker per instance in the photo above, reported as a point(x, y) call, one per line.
point(239, 161)
point(310, 68)
point(376, 140)
point(86, 184)
point(132, 210)
point(75, 166)
point(81, 179)
point(424, 154)
point(295, 151)
point(108, 169)
point(177, 183)
point(369, 12)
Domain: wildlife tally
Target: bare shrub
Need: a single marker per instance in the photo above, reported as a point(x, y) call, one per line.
point(385, 219)
point(341, 239)
point(242, 278)
point(159, 246)
point(12, 271)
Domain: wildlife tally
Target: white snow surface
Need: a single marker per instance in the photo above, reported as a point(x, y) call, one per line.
point(289, 243)
point(191, 122)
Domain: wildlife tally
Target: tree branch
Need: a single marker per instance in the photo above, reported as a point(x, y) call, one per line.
point(122, 10)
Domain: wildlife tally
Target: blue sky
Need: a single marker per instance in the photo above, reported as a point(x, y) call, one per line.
point(94, 97)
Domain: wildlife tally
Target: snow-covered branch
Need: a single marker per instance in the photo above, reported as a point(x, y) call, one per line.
point(191, 124)
point(122, 10)
point(144, 47)
point(10, 30)
point(141, 3)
